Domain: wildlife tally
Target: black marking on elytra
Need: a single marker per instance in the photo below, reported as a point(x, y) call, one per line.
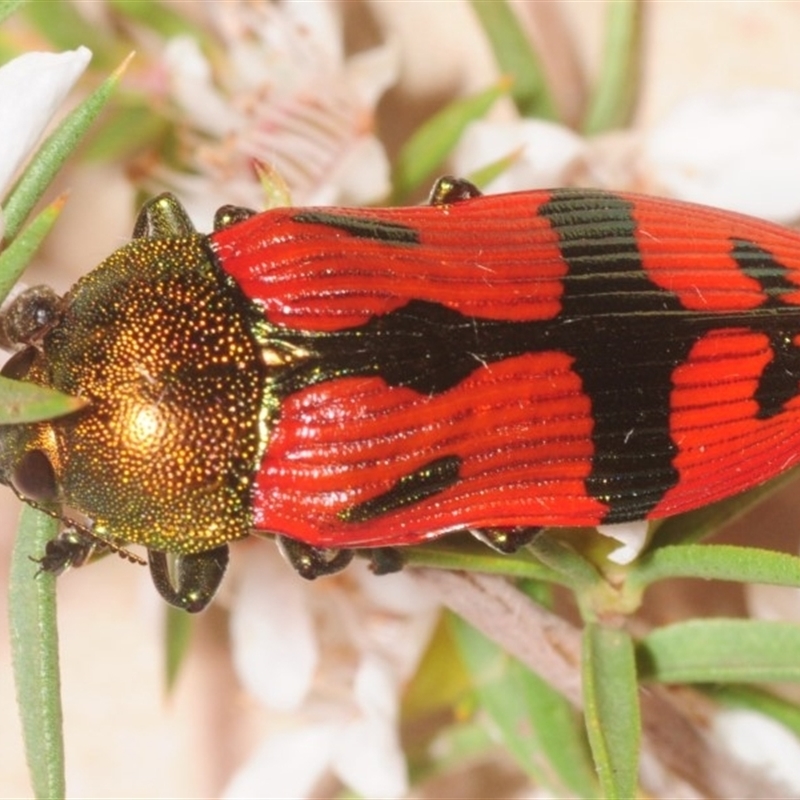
point(625, 360)
point(430, 479)
point(779, 380)
point(625, 334)
point(362, 227)
point(422, 346)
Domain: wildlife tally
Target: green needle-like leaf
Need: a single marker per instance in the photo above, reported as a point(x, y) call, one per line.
point(537, 725)
point(722, 650)
point(432, 142)
point(611, 706)
point(27, 402)
point(487, 173)
point(8, 7)
point(178, 634)
point(53, 153)
point(161, 18)
point(716, 562)
point(34, 649)
point(64, 27)
point(515, 58)
point(576, 572)
point(614, 97)
point(16, 256)
point(475, 557)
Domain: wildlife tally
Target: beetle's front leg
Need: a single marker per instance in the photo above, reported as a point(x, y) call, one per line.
point(194, 579)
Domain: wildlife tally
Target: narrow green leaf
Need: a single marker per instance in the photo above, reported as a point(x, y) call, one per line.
point(514, 56)
point(64, 27)
point(125, 131)
point(614, 96)
point(577, 573)
point(178, 634)
point(34, 649)
point(27, 402)
point(722, 650)
point(18, 254)
point(537, 725)
point(487, 173)
point(52, 154)
point(476, 557)
point(432, 142)
point(8, 7)
point(159, 17)
point(611, 706)
point(716, 562)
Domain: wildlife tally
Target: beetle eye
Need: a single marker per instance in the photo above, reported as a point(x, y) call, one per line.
point(18, 366)
point(30, 315)
point(35, 478)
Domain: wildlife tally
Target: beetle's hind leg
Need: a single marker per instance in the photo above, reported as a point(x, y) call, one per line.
point(506, 540)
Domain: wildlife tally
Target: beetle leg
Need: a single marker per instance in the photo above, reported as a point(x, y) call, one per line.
point(385, 560)
point(312, 562)
point(196, 577)
point(226, 216)
point(448, 190)
point(71, 548)
point(163, 217)
point(505, 540)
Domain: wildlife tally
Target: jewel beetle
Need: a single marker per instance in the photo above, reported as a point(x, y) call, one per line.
point(372, 378)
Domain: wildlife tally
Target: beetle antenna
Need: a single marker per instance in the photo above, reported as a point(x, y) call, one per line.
point(112, 547)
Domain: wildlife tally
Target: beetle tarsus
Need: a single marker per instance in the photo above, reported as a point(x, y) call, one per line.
point(193, 581)
point(313, 562)
point(71, 548)
point(506, 540)
point(448, 190)
point(385, 560)
point(226, 216)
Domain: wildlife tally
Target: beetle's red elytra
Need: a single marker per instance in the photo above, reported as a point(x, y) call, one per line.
point(371, 378)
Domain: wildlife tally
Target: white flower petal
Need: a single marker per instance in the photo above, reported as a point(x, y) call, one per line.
point(761, 742)
point(286, 765)
point(360, 178)
point(371, 73)
point(375, 689)
point(287, 99)
point(368, 758)
point(367, 755)
point(546, 152)
point(274, 643)
point(735, 150)
point(192, 86)
point(321, 23)
point(32, 87)
point(633, 536)
point(398, 593)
